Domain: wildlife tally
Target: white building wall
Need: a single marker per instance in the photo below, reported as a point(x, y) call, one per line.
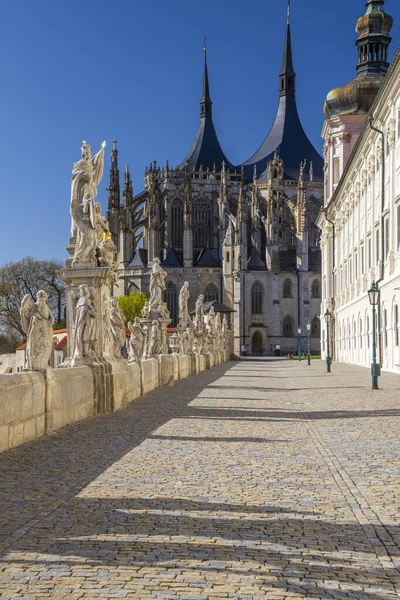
point(355, 207)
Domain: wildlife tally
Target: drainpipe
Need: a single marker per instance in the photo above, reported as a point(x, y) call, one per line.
point(382, 233)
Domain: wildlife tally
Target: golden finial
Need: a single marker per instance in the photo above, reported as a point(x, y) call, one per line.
point(107, 236)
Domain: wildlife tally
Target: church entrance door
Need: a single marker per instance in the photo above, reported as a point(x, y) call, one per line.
point(256, 344)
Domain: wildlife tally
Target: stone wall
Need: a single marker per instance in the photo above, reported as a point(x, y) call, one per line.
point(33, 404)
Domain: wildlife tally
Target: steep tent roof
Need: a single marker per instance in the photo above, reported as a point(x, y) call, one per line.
point(287, 135)
point(206, 150)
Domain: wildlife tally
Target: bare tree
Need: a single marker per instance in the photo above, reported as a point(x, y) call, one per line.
point(27, 276)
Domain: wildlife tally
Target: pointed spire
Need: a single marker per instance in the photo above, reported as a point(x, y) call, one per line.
point(205, 103)
point(127, 194)
point(287, 74)
point(114, 189)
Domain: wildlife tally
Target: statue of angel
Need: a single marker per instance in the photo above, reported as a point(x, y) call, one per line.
point(37, 323)
point(84, 325)
point(157, 286)
point(137, 341)
point(86, 176)
point(184, 295)
point(118, 332)
point(146, 310)
point(155, 341)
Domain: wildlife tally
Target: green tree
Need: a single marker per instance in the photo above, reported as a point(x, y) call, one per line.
point(132, 305)
point(28, 276)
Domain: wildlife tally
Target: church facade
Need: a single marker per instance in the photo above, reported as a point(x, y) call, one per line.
point(361, 219)
point(244, 235)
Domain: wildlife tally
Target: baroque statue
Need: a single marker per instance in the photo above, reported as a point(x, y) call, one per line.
point(86, 176)
point(37, 323)
point(137, 341)
point(84, 326)
point(157, 287)
point(117, 327)
point(184, 295)
point(199, 315)
point(155, 340)
point(187, 341)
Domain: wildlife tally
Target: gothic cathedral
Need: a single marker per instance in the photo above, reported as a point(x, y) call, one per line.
point(243, 236)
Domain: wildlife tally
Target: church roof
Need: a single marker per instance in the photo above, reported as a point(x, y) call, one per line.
point(139, 260)
point(255, 262)
point(287, 135)
point(207, 258)
point(171, 259)
point(206, 150)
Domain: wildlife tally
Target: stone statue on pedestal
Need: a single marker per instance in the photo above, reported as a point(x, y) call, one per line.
point(85, 327)
point(184, 318)
point(187, 341)
point(137, 341)
point(155, 340)
point(157, 287)
point(199, 316)
point(86, 176)
point(37, 323)
point(117, 326)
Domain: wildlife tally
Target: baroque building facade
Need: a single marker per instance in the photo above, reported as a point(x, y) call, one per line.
point(360, 222)
point(244, 236)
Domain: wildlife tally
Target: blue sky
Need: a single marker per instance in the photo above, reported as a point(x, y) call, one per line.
point(132, 69)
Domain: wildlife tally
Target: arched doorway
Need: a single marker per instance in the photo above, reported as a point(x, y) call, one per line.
point(256, 344)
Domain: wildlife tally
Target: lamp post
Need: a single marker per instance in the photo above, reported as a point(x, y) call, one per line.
point(373, 295)
point(328, 318)
point(298, 344)
point(308, 327)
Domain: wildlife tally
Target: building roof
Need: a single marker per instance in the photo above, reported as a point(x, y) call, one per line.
point(62, 344)
point(207, 258)
point(219, 307)
point(287, 135)
point(206, 151)
point(171, 259)
point(255, 262)
point(139, 259)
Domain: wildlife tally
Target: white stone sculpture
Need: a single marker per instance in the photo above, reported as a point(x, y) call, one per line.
point(157, 287)
point(37, 323)
point(137, 341)
point(86, 176)
point(117, 328)
point(175, 343)
point(146, 310)
point(184, 318)
point(155, 340)
point(199, 316)
point(84, 328)
point(187, 341)
point(197, 346)
point(224, 324)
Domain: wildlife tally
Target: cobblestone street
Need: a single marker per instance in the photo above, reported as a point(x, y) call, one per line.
point(259, 479)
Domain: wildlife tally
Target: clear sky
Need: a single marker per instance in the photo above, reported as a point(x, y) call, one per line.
point(132, 69)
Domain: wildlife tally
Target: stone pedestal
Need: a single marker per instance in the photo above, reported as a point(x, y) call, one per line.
point(184, 366)
point(168, 368)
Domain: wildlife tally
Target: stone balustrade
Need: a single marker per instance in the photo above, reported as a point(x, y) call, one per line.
point(34, 404)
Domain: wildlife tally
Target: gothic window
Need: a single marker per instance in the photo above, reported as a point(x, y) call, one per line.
point(288, 327)
point(211, 293)
point(257, 298)
point(316, 289)
point(176, 223)
point(202, 223)
point(316, 327)
point(287, 288)
point(171, 298)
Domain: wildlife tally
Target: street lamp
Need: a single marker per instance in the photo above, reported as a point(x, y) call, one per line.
point(298, 345)
point(308, 327)
point(373, 295)
point(328, 318)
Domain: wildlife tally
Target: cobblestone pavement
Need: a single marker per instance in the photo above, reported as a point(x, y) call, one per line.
point(260, 479)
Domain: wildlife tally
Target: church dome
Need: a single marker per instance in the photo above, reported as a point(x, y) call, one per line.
point(357, 96)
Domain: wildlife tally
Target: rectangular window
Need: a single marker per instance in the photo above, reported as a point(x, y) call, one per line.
point(350, 272)
point(398, 227)
point(385, 337)
point(377, 246)
point(355, 267)
point(362, 260)
point(386, 237)
point(336, 170)
point(396, 325)
point(369, 253)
